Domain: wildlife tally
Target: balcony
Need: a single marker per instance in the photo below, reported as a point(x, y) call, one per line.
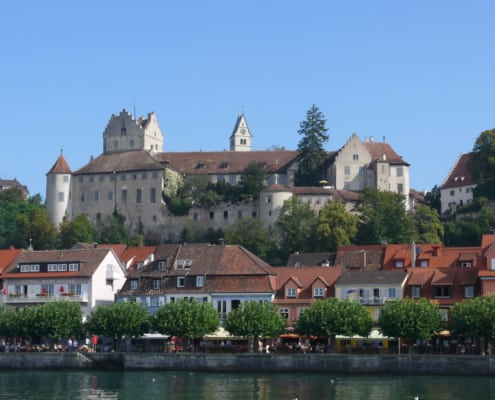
point(377, 301)
point(43, 298)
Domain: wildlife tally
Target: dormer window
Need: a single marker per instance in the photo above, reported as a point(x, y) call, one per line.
point(134, 284)
point(181, 281)
point(162, 265)
point(399, 263)
point(467, 264)
point(423, 263)
point(318, 292)
point(201, 165)
point(224, 165)
point(291, 292)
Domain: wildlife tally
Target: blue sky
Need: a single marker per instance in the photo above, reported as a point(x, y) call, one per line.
point(419, 74)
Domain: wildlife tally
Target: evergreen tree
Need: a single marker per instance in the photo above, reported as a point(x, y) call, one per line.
point(312, 155)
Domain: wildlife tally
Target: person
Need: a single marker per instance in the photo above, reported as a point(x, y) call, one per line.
point(69, 344)
point(75, 345)
point(260, 346)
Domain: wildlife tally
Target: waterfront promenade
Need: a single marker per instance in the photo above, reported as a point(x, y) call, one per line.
point(472, 365)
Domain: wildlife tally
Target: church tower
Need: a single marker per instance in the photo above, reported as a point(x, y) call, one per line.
point(125, 133)
point(57, 201)
point(241, 139)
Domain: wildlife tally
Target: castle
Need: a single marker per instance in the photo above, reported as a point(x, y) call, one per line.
point(133, 173)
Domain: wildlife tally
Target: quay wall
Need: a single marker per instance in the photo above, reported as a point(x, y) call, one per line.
point(242, 362)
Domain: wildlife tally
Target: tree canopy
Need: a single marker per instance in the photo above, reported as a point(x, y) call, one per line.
point(311, 153)
point(410, 319)
point(474, 317)
point(187, 318)
point(332, 317)
point(255, 319)
point(335, 227)
point(383, 218)
point(427, 225)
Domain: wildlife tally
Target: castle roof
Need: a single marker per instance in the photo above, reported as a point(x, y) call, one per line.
point(226, 162)
point(60, 167)
point(459, 174)
point(380, 151)
point(134, 160)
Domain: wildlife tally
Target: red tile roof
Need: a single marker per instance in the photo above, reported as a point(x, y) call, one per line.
point(60, 167)
point(7, 256)
point(459, 174)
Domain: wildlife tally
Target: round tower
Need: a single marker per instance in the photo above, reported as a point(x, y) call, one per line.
point(57, 201)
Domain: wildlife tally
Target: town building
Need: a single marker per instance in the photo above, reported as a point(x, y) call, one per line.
point(89, 277)
point(6, 184)
point(223, 275)
point(457, 188)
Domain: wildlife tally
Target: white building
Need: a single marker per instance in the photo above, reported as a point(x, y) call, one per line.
point(89, 277)
point(457, 188)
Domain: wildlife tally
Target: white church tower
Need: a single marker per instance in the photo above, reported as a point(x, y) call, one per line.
point(124, 133)
point(57, 201)
point(241, 139)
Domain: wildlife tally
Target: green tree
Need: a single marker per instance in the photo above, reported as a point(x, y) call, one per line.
point(120, 320)
point(474, 318)
point(59, 319)
point(410, 319)
point(481, 163)
point(255, 320)
point(252, 181)
point(252, 235)
point(462, 232)
point(296, 224)
point(331, 317)
point(335, 227)
point(187, 318)
point(427, 225)
point(80, 229)
point(112, 229)
point(432, 199)
point(312, 155)
point(383, 217)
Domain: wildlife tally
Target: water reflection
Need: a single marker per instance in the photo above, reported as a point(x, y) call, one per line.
point(151, 385)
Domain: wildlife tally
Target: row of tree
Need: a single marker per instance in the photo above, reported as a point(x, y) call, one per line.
point(190, 319)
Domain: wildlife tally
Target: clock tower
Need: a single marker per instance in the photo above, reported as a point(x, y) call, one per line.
point(241, 138)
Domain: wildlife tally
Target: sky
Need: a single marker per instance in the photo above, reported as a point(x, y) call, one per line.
point(417, 74)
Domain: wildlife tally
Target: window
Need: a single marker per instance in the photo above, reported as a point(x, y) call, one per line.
point(400, 188)
point(144, 175)
point(75, 288)
point(415, 292)
point(347, 185)
point(122, 177)
point(91, 179)
point(232, 179)
point(318, 292)
point(30, 268)
point(268, 199)
point(291, 292)
point(392, 293)
point(212, 215)
point(355, 157)
point(61, 196)
point(62, 267)
point(442, 291)
point(51, 268)
point(134, 284)
point(154, 174)
point(96, 195)
point(101, 179)
point(467, 264)
point(181, 281)
point(81, 179)
point(155, 301)
point(469, 291)
point(399, 263)
point(239, 214)
point(124, 195)
point(445, 315)
point(200, 281)
point(423, 263)
point(65, 178)
point(225, 215)
point(399, 171)
point(195, 216)
point(156, 284)
point(131, 143)
point(139, 195)
point(153, 195)
point(74, 267)
point(452, 192)
point(47, 289)
point(284, 312)
point(162, 265)
point(347, 170)
point(83, 197)
point(362, 171)
point(134, 176)
point(110, 195)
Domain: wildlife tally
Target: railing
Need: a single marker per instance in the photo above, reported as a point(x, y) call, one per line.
point(43, 298)
point(373, 301)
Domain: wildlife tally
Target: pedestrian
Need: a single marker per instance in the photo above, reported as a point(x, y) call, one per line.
point(69, 344)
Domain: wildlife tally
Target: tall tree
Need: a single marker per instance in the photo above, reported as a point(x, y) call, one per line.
point(252, 181)
point(481, 164)
point(432, 199)
point(427, 225)
point(113, 230)
point(383, 217)
point(335, 227)
point(296, 223)
point(312, 154)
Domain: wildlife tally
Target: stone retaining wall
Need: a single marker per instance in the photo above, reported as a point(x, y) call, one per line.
point(327, 363)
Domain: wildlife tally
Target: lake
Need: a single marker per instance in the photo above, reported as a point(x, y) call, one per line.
point(35, 384)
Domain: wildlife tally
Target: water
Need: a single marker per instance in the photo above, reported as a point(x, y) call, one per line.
point(26, 385)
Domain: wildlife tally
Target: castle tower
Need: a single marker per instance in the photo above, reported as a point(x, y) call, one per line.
point(57, 201)
point(241, 138)
point(123, 133)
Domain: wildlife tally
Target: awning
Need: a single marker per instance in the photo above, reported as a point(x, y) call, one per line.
point(222, 334)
